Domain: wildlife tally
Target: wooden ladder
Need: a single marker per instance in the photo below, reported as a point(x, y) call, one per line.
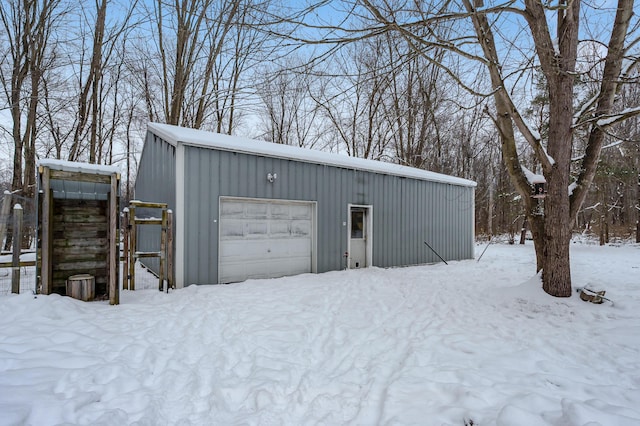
point(131, 222)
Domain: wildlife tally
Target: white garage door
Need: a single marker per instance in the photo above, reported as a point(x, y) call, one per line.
point(264, 239)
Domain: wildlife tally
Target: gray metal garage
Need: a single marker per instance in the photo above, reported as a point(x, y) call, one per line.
point(250, 209)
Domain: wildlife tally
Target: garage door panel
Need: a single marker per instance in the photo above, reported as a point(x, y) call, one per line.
point(280, 211)
point(300, 228)
point(279, 228)
point(257, 229)
point(232, 229)
point(289, 248)
point(300, 212)
point(243, 249)
point(256, 250)
point(256, 210)
point(232, 209)
point(266, 269)
point(264, 239)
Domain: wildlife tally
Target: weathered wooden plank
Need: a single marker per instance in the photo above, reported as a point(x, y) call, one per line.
point(47, 211)
point(70, 222)
point(4, 214)
point(147, 254)
point(38, 241)
point(81, 262)
point(24, 251)
point(80, 205)
point(102, 211)
point(100, 274)
point(17, 248)
point(76, 259)
point(137, 203)
point(59, 258)
point(89, 227)
point(148, 221)
point(113, 289)
point(132, 248)
point(170, 278)
point(82, 265)
point(77, 249)
point(79, 176)
point(125, 266)
point(23, 264)
point(84, 217)
point(79, 243)
point(62, 228)
point(76, 202)
point(80, 233)
point(163, 251)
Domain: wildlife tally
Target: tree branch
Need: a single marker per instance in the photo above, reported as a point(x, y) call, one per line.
point(608, 89)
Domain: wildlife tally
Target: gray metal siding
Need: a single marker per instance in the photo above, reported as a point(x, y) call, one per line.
point(155, 182)
point(406, 211)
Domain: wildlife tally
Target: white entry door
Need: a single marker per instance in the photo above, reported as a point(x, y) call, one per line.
point(360, 240)
point(264, 238)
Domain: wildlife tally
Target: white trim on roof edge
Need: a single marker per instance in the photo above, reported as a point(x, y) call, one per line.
point(176, 135)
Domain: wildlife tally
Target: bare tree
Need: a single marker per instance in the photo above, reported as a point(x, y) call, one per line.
point(548, 40)
point(552, 231)
point(28, 26)
point(201, 29)
point(557, 58)
point(97, 107)
point(352, 100)
point(615, 189)
point(288, 114)
point(88, 101)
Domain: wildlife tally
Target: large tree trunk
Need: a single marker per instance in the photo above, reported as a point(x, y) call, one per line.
point(556, 276)
point(558, 66)
point(96, 79)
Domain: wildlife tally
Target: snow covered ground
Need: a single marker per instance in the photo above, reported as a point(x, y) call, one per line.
point(469, 343)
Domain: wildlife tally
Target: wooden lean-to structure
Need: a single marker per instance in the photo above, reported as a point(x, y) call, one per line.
point(78, 227)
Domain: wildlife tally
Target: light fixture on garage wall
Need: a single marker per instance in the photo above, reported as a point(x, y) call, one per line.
point(272, 176)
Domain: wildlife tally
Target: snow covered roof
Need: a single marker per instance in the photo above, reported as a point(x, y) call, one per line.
point(533, 178)
point(71, 166)
point(76, 189)
point(180, 135)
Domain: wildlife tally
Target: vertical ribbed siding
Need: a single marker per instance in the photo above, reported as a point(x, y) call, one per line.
point(156, 171)
point(406, 211)
point(155, 182)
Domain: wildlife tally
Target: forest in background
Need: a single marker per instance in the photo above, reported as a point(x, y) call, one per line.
point(80, 81)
